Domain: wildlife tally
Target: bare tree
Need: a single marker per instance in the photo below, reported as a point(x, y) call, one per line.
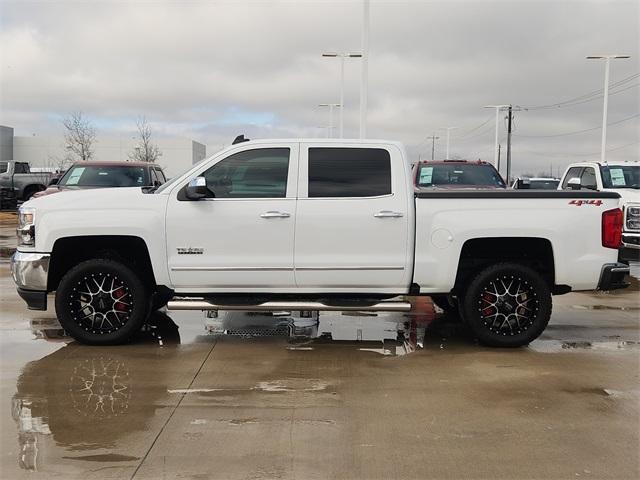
point(146, 150)
point(79, 136)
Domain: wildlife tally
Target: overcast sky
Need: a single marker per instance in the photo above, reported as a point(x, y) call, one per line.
point(210, 70)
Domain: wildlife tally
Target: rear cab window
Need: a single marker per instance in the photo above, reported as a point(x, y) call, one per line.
point(344, 172)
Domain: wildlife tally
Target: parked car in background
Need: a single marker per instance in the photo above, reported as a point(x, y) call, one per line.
point(17, 177)
point(619, 177)
point(536, 183)
point(83, 175)
point(455, 174)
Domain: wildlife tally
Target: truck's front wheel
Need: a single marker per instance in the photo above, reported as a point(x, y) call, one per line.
point(507, 305)
point(101, 302)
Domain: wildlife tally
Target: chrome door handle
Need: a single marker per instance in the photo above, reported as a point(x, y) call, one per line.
point(387, 214)
point(275, 214)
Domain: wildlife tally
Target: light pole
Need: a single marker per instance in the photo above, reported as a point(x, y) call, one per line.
point(607, 59)
point(498, 108)
point(364, 81)
point(331, 106)
point(342, 56)
point(448, 129)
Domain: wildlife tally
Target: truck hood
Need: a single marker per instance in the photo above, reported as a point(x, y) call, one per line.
point(91, 199)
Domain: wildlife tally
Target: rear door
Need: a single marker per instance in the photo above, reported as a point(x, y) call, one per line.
point(352, 226)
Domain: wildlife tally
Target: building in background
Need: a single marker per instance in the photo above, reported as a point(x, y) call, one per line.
point(178, 153)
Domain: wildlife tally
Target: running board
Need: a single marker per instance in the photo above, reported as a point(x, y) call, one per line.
point(181, 303)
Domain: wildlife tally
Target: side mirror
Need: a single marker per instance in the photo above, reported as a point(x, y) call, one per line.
point(197, 189)
point(54, 181)
point(574, 183)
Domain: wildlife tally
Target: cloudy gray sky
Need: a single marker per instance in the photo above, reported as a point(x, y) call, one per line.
point(213, 69)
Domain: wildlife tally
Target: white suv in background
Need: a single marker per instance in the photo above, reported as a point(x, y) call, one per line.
point(620, 177)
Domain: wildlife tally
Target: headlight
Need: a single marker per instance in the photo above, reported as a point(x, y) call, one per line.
point(632, 221)
point(26, 230)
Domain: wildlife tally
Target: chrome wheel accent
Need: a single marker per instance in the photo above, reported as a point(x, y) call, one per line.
point(101, 303)
point(508, 305)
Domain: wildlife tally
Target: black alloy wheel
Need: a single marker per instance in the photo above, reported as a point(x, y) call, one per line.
point(507, 305)
point(101, 302)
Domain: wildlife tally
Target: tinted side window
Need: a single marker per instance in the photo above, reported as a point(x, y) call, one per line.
point(154, 178)
point(574, 172)
point(349, 172)
point(260, 173)
point(21, 168)
point(588, 179)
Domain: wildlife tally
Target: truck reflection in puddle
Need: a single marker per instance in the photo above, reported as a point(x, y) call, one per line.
point(81, 397)
point(384, 333)
point(85, 399)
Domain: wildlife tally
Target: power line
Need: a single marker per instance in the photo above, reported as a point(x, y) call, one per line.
point(588, 97)
point(578, 131)
point(572, 154)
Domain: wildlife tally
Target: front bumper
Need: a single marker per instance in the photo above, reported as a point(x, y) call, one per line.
point(613, 276)
point(30, 272)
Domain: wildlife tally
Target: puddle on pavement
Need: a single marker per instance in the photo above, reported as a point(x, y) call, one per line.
point(605, 307)
point(554, 346)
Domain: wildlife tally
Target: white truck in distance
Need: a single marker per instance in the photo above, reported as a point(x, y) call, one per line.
point(312, 225)
point(619, 177)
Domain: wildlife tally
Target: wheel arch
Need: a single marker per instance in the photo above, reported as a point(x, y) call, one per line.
point(478, 253)
point(69, 251)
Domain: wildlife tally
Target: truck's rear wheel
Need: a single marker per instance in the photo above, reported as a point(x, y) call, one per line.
point(101, 302)
point(507, 305)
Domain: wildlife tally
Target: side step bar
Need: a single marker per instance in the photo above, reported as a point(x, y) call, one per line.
point(181, 303)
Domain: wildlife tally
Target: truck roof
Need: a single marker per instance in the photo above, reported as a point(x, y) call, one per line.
point(322, 140)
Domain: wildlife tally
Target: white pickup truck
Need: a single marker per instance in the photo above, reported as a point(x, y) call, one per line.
point(312, 225)
point(619, 177)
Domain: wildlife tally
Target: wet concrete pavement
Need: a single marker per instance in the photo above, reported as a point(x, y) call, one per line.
point(342, 396)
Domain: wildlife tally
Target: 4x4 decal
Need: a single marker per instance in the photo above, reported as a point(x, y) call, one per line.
point(579, 203)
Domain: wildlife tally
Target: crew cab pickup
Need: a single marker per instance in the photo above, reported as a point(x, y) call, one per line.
point(619, 177)
point(312, 225)
point(19, 177)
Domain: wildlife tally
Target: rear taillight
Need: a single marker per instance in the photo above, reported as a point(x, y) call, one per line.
point(612, 228)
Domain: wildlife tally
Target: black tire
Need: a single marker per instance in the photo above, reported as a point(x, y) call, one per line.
point(31, 191)
point(105, 291)
point(507, 305)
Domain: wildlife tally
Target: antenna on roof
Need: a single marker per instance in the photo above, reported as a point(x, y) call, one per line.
point(240, 139)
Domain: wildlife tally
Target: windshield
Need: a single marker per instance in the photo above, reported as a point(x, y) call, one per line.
point(543, 184)
point(620, 176)
point(104, 176)
point(466, 174)
point(4, 166)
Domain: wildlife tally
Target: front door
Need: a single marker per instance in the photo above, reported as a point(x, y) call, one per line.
point(241, 238)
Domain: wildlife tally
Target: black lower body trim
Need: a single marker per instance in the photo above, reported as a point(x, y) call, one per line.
point(613, 276)
point(36, 299)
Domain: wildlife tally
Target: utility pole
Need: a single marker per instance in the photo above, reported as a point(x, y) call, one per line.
point(607, 59)
point(495, 148)
point(364, 81)
point(433, 139)
point(509, 128)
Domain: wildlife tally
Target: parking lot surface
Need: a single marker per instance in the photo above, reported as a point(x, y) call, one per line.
point(339, 396)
